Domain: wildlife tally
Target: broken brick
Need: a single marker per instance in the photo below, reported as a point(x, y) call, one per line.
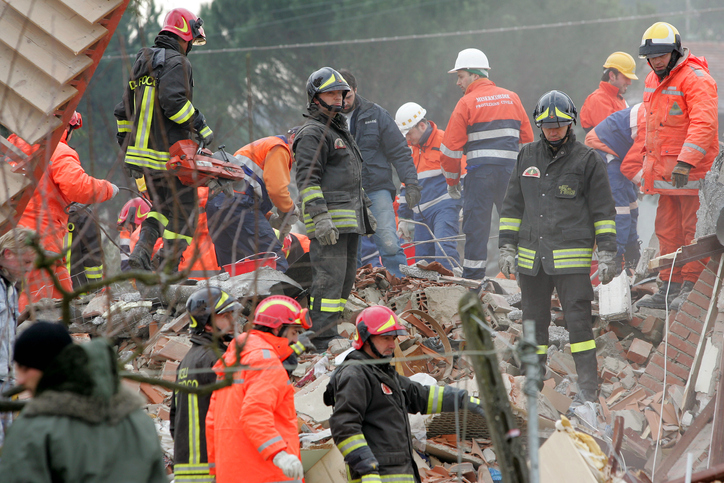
point(175, 350)
point(639, 351)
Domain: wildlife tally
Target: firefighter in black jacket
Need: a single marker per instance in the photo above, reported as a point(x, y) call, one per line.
point(558, 205)
point(211, 311)
point(155, 113)
point(335, 208)
point(371, 403)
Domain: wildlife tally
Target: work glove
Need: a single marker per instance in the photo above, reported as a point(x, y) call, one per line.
point(506, 259)
point(289, 464)
point(204, 134)
point(680, 174)
point(455, 191)
point(406, 230)
point(277, 221)
point(220, 185)
point(324, 229)
point(372, 219)
point(413, 194)
point(607, 269)
point(303, 343)
point(115, 190)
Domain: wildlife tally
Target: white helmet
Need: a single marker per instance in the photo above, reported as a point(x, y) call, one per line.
point(470, 59)
point(408, 115)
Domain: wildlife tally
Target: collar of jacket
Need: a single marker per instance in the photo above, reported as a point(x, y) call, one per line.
point(679, 64)
point(427, 135)
point(481, 83)
point(571, 139)
point(364, 106)
point(609, 89)
point(279, 344)
point(315, 113)
point(167, 42)
point(207, 338)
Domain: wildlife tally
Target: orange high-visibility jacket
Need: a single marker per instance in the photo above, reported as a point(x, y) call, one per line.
point(681, 125)
point(64, 182)
point(202, 247)
point(252, 420)
point(487, 125)
point(273, 159)
point(600, 104)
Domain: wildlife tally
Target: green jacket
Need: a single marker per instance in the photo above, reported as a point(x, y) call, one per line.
point(83, 426)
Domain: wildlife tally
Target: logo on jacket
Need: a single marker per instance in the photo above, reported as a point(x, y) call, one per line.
point(676, 110)
point(567, 190)
point(339, 144)
point(371, 121)
point(532, 172)
point(386, 389)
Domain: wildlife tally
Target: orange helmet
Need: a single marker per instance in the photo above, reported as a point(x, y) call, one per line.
point(76, 121)
point(135, 211)
point(376, 320)
point(186, 25)
point(279, 310)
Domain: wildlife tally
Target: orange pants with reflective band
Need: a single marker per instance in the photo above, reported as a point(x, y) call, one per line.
point(675, 227)
point(38, 285)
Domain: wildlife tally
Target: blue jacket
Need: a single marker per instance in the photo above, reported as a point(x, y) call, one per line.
point(8, 324)
point(382, 145)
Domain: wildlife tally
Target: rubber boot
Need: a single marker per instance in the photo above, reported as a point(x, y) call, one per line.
point(140, 259)
point(587, 370)
point(632, 255)
point(682, 296)
point(658, 300)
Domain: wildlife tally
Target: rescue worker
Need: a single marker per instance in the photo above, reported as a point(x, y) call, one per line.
point(155, 113)
point(558, 205)
point(251, 426)
point(371, 402)
point(336, 210)
point(199, 259)
point(487, 125)
point(129, 220)
point(84, 250)
point(63, 182)
point(82, 424)
point(682, 141)
point(613, 138)
point(382, 147)
point(211, 311)
point(16, 259)
point(436, 208)
point(239, 226)
point(618, 72)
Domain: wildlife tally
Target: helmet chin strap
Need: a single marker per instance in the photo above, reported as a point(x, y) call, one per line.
point(560, 142)
point(675, 56)
point(374, 350)
point(332, 108)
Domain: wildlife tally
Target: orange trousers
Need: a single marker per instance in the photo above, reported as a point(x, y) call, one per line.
point(675, 227)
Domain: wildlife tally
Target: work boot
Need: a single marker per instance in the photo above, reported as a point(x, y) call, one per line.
point(632, 255)
point(587, 370)
point(658, 300)
point(682, 297)
point(140, 259)
point(170, 256)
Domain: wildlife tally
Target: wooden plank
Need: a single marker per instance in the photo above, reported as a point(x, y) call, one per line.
point(92, 10)
point(683, 444)
point(46, 53)
point(61, 23)
point(36, 87)
point(701, 248)
point(711, 315)
point(23, 119)
point(715, 473)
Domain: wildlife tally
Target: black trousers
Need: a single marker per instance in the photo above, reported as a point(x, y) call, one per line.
point(85, 259)
point(333, 272)
point(173, 206)
point(575, 293)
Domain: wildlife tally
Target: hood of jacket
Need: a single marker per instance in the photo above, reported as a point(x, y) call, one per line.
point(83, 383)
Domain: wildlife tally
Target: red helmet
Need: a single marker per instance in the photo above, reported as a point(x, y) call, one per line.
point(376, 320)
point(279, 310)
point(76, 121)
point(186, 25)
point(135, 211)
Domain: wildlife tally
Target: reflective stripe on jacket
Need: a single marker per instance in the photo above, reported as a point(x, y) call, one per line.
point(600, 104)
point(681, 125)
point(429, 175)
point(156, 110)
point(329, 174)
point(252, 420)
point(556, 207)
point(487, 125)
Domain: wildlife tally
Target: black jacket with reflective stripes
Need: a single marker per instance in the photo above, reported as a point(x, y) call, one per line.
point(329, 174)
point(156, 110)
point(370, 424)
point(188, 411)
point(556, 207)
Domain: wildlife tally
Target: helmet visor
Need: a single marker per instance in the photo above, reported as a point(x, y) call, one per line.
point(198, 31)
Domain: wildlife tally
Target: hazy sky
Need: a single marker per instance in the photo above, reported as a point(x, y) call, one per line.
point(192, 5)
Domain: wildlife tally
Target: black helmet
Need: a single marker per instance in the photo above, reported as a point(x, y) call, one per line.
point(325, 79)
point(555, 109)
point(205, 301)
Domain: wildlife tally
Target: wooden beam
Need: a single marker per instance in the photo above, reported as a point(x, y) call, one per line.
point(701, 248)
point(713, 474)
point(716, 448)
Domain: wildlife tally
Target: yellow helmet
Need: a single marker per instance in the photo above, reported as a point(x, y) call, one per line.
point(660, 39)
point(622, 62)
